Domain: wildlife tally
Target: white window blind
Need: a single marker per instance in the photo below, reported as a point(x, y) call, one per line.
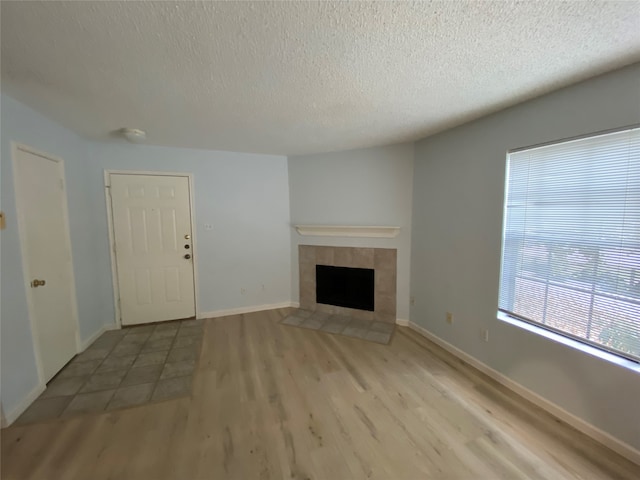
point(571, 245)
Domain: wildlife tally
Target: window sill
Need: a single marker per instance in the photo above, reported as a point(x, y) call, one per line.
point(609, 357)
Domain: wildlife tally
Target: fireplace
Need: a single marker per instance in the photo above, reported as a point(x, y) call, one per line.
point(381, 262)
point(345, 287)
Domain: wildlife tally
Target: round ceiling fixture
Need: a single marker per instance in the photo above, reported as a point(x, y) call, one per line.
point(134, 135)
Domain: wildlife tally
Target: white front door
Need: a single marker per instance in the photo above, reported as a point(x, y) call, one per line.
point(46, 247)
point(153, 248)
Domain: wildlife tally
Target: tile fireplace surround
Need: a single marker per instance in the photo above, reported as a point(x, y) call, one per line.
point(382, 260)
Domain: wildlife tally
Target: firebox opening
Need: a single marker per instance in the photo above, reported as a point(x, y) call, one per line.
point(345, 287)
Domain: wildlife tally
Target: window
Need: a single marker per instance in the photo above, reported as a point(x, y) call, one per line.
point(571, 242)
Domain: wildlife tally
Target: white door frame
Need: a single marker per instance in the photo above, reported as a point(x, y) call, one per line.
point(22, 235)
point(112, 243)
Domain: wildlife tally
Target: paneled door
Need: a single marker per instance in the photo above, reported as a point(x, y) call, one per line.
point(46, 247)
point(153, 247)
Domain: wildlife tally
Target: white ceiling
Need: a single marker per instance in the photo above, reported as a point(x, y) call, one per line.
point(291, 78)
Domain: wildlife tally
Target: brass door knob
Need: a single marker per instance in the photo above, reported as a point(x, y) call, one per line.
point(187, 256)
point(37, 283)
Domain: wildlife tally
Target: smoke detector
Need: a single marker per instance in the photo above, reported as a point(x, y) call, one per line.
point(134, 135)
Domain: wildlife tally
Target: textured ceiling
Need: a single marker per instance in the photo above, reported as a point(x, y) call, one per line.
point(291, 78)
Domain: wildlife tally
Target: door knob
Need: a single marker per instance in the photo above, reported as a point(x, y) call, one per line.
point(187, 256)
point(37, 283)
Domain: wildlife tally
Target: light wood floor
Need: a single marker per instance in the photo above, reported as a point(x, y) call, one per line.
point(274, 401)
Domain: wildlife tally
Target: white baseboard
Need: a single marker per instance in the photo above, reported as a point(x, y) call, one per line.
point(241, 310)
point(402, 322)
point(12, 416)
point(578, 423)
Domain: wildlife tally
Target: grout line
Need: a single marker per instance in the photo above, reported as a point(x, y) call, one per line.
point(349, 320)
point(196, 347)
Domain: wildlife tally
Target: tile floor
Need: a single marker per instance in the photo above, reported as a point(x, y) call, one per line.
point(378, 332)
point(123, 368)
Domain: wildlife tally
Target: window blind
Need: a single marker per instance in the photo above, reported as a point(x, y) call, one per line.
point(571, 240)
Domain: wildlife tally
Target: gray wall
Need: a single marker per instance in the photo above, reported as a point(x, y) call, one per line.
point(358, 187)
point(457, 226)
point(244, 196)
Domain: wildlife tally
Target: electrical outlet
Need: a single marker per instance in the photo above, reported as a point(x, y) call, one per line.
point(243, 291)
point(449, 317)
point(208, 227)
point(263, 289)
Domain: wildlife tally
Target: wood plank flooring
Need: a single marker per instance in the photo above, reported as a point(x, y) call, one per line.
point(274, 401)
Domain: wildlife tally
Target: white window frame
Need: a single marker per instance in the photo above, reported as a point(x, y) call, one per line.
point(576, 342)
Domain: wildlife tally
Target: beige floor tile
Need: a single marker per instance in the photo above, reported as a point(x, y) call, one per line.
point(146, 374)
point(172, 388)
point(116, 363)
point(163, 334)
point(44, 409)
point(178, 354)
point(151, 358)
point(127, 349)
point(378, 337)
point(190, 331)
point(130, 396)
point(104, 381)
point(62, 387)
point(93, 354)
point(177, 369)
point(79, 369)
point(191, 342)
point(89, 402)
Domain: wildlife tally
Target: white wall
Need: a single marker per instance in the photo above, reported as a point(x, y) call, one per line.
point(18, 366)
point(245, 197)
point(358, 187)
point(457, 225)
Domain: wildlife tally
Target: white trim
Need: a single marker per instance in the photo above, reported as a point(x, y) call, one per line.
point(402, 322)
point(241, 310)
point(112, 248)
point(112, 244)
point(570, 342)
point(25, 403)
point(348, 231)
point(26, 272)
point(579, 424)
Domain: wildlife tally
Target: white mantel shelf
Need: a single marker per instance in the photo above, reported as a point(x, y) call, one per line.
point(347, 231)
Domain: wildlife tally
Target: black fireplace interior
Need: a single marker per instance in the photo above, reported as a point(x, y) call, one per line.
point(345, 287)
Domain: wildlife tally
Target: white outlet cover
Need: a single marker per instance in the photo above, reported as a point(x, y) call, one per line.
point(208, 226)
